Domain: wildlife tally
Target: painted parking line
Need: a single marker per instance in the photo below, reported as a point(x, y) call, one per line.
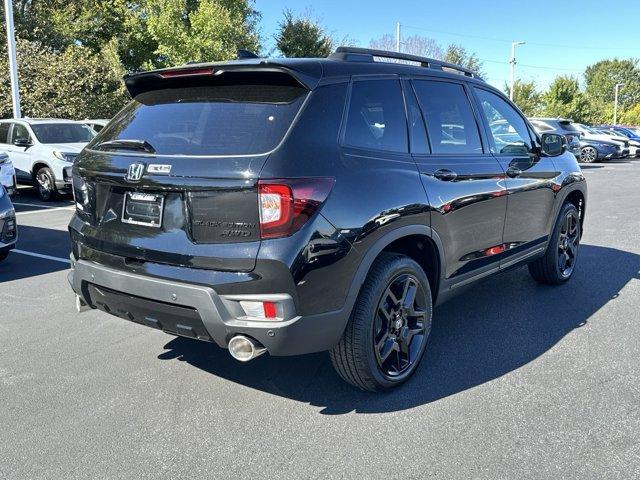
point(40, 255)
point(50, 209)
point(39, 205)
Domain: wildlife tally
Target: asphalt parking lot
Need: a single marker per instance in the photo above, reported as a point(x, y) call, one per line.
point(519, 380)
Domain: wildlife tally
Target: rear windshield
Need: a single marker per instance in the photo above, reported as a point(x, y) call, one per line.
point(208, 120)
point(62, 132)
point(568, 126)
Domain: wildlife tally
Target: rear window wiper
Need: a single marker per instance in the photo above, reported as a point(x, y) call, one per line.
point(125, 144)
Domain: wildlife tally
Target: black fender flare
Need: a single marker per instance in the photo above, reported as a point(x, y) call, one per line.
point(562, 195)
point(378, 247)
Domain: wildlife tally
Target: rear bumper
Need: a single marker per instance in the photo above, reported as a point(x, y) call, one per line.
point(198, 311)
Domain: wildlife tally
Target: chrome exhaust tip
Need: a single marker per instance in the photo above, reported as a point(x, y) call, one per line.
point(244, 348)
point(81, 306)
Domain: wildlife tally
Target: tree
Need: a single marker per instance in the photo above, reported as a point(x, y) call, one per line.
point(460, 56)
point(74, 84)
point(600, 80)
point(414, 45)
point(526, 97)
point(631, 116)
point(302, 37)
point(199, 30)
point(564, 99)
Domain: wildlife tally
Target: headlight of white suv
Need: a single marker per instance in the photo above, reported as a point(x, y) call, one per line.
point(65, 157)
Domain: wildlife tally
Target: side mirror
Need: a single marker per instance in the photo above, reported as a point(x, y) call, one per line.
point(22, 142)
point(553, 144)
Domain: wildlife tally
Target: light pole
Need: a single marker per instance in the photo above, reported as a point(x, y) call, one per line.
point(513, 67)
point(615, 103)
point(13, 65)
point(398, 37)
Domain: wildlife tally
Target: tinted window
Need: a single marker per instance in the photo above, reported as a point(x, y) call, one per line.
point(570, 127)
point(19, 132)
point(208, 120)
point(450, 122)
point(508, 129)
point(376, 118)
point(543, 127)
point(4, 132)
point(62, 132)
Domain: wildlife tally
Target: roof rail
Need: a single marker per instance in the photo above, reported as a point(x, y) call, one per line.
point(368, 54)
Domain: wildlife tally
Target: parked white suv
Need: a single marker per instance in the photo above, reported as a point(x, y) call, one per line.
point(43, 150)
point(7, 174)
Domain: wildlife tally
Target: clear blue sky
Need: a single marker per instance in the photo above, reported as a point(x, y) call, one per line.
point(563, 36)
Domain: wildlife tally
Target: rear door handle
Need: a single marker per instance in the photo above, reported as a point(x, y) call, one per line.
point(445, 175)
point(514, 172)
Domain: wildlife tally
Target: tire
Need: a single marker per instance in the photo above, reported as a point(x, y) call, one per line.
point(387, 332)
point(588, 155)
point(46, 185)
point(3, 256)
point(559, 261)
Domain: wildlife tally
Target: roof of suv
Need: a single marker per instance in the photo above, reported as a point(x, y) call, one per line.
point(35, 121)
point(345, 62)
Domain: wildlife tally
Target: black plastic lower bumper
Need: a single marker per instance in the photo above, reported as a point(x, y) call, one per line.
point(198, 311)
point(174, 319)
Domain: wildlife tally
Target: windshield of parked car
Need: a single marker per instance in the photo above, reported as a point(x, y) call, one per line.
point(62, 132)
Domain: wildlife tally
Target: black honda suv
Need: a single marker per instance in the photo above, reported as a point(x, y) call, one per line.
point(302, 205)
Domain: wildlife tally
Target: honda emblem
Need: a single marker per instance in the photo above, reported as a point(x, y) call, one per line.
point(135, 172)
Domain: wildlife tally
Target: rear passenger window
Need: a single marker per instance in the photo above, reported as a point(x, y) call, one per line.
point(376, 118)
point(450, 122)
point(4, 132)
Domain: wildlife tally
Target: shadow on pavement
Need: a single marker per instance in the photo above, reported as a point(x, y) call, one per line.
point(45, 241)
point(486, 332)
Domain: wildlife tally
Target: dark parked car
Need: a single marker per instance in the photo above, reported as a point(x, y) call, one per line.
point(591, 149)
point(301, 205)
point(572, 137)
point(8, 228)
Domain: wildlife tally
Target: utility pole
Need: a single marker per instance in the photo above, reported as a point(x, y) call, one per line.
point(398, 37)
point(615, 103)
point(13, 64)
point(512, 62)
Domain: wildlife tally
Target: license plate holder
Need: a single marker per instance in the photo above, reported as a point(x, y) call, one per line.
point(143, 209)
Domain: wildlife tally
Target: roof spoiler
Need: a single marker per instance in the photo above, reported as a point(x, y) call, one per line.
point(246, 71)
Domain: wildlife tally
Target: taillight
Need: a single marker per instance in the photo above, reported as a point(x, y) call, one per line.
point(285, 205)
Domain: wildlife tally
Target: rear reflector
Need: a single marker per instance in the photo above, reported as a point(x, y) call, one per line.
point(187, 72)
point(266, 310)
point(285, 205)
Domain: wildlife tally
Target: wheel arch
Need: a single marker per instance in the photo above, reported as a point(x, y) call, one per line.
point(578, 197)
point(419, 242)
point(37, 165)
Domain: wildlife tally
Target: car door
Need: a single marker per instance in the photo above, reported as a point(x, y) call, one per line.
point(463, 181)
point(530, 177)
point(20, 156)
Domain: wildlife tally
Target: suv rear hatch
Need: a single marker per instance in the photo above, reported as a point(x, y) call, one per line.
point(173, 177)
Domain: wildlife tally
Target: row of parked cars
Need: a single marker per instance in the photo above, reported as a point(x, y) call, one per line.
point(593, 143)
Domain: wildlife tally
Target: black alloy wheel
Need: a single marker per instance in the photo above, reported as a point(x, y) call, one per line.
point(558, 263)
point(399, 327)
point(568, 242)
